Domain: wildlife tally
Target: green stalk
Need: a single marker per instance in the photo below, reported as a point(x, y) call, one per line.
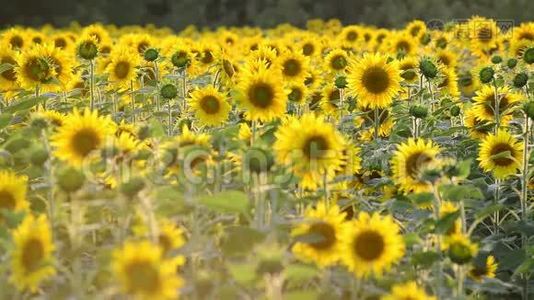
point(92, 84)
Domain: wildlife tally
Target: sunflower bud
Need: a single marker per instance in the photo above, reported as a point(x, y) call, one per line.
point(39, 123)
point(496, 59)
point(257, 160)
point(151, 54)
point(528, 56)
point(70, 180)
point(486, 74)
point(460, 253)
point(39, 156)
point(419, 111)
point(143, 133)
point(168, 91)
point(341, 82)
point(511, 63)
point(132, 187)
point(455, 111)
point(529, 109)
point(428, 68)
point(425, 39)
point(88, 50)
point(520, 80)
point(180, 59)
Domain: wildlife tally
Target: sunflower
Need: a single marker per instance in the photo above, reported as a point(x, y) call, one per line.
point(448, 83)
point(294, 66)
point(34, 69)
point(32, 260)
point(468, 83)
point(140, 42)
point(263, 53)
point(16, 38)
point(478, 129)
point(310, 45)
point(100, 34)
point(500, 154)
point(80, 135)
point(485, 103)
point(53, 117)
point(409, 161)
point(122, 67)
point(408, 66)
point(485, 35)
point(486, 269)
point(8, 78)
point(62, 41)
point(336, 61)
point(311, 147)
point(373, 80)
point(331, 100)
point(319, 235)
point(261, 94)
point(407, 291)
point(170, 237)
point(210, 105)
point(188, 138)
point(403, 44)
point(460, 248)
point(144, 273)
point(447, 208)
point(447, 58)
point(350, 36)
point(208, 54)
point(524, 32)
point(416, 29)
point(63, 64)
point(13, 191)
point(298, 93)
point(372, 244)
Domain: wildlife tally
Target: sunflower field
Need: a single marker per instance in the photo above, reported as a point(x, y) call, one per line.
point(331, 162)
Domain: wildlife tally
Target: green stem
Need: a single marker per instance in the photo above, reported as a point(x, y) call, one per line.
point(376, 124)
point(92, 84)
point(132, 95)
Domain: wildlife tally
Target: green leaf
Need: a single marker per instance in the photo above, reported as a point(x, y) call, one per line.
point(425, 259)
point(421, 198)
point(24, 104)
point(445, 223)
point(243, 273)
point(227, 201)
point(240, 240)
point(411, 239)
point(525, 268)
point(458, 193)
point(5, 119)
point(297, 273)
point(488, 211)
point(464, 168)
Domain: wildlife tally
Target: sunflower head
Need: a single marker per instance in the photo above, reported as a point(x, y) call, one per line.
point(209, 105)
point(500, 154)
point(409, 162)
point(80, 135)
point(374, 80)
point(143, 272)
point(32, 260)
point(372, 244)
point(261, 94)
point(319, 235)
